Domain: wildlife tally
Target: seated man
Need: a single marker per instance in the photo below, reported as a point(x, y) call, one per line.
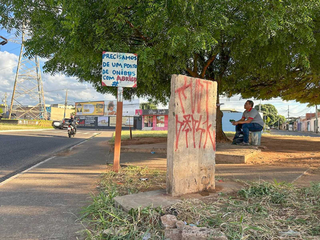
point(250, 121)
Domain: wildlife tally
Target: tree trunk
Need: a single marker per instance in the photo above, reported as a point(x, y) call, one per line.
point(220, 135)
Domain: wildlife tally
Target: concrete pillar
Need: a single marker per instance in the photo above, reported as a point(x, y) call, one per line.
point(191, 135)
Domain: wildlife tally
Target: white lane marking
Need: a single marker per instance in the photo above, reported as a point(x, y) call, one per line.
point(18, 174)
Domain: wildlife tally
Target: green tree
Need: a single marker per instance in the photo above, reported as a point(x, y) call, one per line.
point(281, 119)
point(248, 47)
point(270, 113)
point(148, 105)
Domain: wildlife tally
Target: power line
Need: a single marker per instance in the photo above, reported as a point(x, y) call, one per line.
point(12, 49)
point(64, 89)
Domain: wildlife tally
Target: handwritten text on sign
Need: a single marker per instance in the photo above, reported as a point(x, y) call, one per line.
point(119, 69)
point(194, 124)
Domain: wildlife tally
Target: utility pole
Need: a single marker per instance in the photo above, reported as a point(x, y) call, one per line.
point(317, 119)
point(65, 104)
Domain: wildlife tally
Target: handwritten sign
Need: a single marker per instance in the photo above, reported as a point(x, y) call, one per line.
point(119, 69)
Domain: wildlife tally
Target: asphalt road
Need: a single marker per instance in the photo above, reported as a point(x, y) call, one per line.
point(20, 150)
point(292, 133)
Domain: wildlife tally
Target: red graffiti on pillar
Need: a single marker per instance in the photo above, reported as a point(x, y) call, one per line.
point(193, 120)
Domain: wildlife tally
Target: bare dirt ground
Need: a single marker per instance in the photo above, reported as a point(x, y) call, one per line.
point(288, 150)
point(291, 150)
point(275, 150)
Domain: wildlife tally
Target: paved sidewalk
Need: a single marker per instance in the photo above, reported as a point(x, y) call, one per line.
point(44, 202)
point(247, 172)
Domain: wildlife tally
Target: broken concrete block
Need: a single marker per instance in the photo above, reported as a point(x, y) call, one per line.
point(190, 233)
point(169, 221)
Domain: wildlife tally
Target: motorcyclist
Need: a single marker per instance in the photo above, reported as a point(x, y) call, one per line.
point(73, 122)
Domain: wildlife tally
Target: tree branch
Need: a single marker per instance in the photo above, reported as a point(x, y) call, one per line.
point(210, 60)
point(192, 73)
point(146, 39)
point(195, 66)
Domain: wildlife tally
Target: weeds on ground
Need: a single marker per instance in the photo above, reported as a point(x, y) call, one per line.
point(258, 211)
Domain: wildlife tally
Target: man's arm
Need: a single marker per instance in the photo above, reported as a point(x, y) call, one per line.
point(242, 121)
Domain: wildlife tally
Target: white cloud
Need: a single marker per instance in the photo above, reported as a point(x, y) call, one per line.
point(295, 109)
point(55, 89)
point(8, 64)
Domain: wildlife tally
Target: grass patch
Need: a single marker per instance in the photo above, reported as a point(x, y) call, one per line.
point(109, 222)
point(4, 126)
point(258, 211)
point(140, 134)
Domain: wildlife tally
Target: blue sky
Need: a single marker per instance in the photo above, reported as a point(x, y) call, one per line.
point(55, 86)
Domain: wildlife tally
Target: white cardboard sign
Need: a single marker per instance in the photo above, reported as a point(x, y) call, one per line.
point(119, 69)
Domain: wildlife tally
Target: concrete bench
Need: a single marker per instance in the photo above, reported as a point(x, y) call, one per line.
point(255, 137)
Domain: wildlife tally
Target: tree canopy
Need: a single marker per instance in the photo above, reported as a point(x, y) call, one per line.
point(257, 48)
point(260, 49)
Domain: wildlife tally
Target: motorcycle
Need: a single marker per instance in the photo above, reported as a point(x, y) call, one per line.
point(71, 130)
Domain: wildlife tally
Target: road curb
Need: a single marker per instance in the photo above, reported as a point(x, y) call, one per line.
point(27, 130)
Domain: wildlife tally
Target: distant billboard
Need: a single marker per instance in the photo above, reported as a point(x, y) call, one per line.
point(129, 108)
point(103, 121)
point(90, 108)
point(119, 69)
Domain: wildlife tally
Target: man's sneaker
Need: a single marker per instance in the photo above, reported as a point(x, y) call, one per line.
point(244, 144)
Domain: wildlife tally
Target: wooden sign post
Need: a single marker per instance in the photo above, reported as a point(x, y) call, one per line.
point(117, 143)
point(119, 70)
